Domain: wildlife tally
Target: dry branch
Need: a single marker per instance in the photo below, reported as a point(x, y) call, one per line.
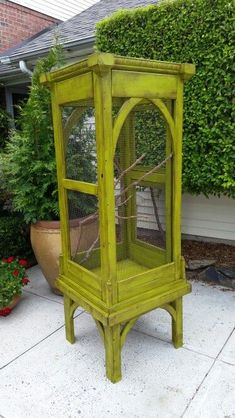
point(132, 217)
point(135, 183)
point(155, 208)
point(90, 249)
point(125, 201)
point(129, 168)
point(123, 191)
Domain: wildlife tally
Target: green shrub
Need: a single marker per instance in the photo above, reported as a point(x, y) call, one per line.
point(29, 167)
point(28, 162)
point(5, 196)
point(4, 127)
point(201, 32)
point(14, 237)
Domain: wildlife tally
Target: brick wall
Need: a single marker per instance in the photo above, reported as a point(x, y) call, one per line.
point(18, 23)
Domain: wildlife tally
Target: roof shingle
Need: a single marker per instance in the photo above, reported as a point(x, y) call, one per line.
point(76, 29)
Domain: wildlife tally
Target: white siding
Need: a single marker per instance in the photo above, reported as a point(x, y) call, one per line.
point(213, 217)
point(60, 9)
point(209, 218)
point(145, 210)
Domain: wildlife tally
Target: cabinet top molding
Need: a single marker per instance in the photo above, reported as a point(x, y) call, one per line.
point(103, 62)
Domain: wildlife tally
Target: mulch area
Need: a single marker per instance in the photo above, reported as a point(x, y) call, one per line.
point(223, 254)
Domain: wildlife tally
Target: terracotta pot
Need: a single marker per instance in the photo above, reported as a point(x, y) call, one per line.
point(46, 243)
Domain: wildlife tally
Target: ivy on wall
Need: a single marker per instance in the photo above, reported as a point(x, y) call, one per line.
point(200, 32)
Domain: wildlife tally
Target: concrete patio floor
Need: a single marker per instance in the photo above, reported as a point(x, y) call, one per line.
point(42, 375)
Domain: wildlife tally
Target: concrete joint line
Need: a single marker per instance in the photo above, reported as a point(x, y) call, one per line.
point(43, 297)
point(204, 378)
point(35, 345)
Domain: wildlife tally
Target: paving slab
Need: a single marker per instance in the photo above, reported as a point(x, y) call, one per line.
point(57, 379)
point(33, 319)
point(39, 286)
point(228, 352)
point(209, 314)
point(216, 396)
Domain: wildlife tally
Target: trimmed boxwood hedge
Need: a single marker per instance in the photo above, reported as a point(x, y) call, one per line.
point(201, 32)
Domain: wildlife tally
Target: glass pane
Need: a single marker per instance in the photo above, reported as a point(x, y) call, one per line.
point(80, 143)
point(84, 229)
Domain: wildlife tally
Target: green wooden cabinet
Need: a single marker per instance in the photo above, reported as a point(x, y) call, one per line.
point(119, 274)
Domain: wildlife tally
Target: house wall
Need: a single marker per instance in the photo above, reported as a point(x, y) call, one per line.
point(18, 23)
point(212, 219)
point(58, 9)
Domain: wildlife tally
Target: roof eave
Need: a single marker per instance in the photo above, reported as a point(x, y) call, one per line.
point(13, 78)
point(9, 73)
point(14, 58)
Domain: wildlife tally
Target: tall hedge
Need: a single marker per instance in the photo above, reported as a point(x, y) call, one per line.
point(200, 32)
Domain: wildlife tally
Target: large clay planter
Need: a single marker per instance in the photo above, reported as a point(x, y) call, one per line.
point(46, 243)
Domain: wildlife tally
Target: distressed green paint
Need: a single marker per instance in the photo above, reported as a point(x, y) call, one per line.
point(134, 277)
point(69, 309)
point(168, 190)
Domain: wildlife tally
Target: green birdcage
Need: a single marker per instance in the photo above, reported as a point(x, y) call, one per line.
point(117, 262)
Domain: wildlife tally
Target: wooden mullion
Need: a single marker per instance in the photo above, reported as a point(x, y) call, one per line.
point(60, 159)
point(130, 157)
point(103, 111)
point(168, 190)
point(80, 186)
point(177, 178)
point(123, 138)
point(136, 174)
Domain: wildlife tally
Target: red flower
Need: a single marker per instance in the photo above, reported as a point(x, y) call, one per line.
point(25, 281)
point(23, 262)
point(10, 259)
point(16, 272)
point(5, 311)
point(4, 260)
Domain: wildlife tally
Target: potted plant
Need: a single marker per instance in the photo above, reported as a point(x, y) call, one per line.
point(12, 279)
point(29, 168)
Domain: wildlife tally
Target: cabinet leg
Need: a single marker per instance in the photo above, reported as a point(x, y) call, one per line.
point(177, 323)
point(69, 323)
point(112, 341)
